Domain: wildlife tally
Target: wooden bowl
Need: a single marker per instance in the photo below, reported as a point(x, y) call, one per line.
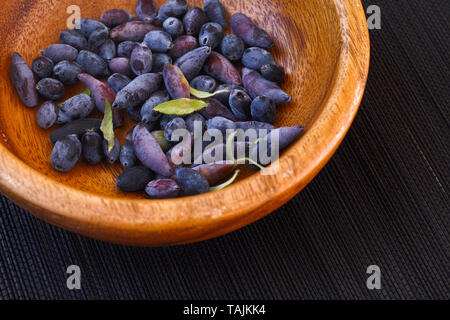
point(324, 46)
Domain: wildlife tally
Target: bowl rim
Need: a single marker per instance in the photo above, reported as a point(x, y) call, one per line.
point(177, 221)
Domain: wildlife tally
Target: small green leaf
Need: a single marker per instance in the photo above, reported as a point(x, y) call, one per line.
point(180, 107)
point(203, 94)
point(107, 126)
point(226, 184)
point(87, 91)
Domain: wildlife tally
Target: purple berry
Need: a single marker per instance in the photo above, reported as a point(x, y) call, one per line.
point(191, 63)
point(118, 81)
point(73, 38)
point(66, 153)
point(175, 124)
point(216, 12)
point(92, 143)
point(263, 109)
point(67, 72)
point(163, 189)
point(51, 89)
point(147, 10)
point(191, 182)
point(115, 17)
point(93, 64)
point(193, 21)
point(160, 60)
point(172, 8)
point(158, 41)
point(141, 60)
point(112, 155)
point(60, 52)
point(77, 107)
point(211, 35)
point(124, 49)
point(204, 83)
point(47, 114)
point(232, 47)
point(134, 179)
point(254, 58)
point(183, 45)
point(42, 67)
point(240, 102)
point(127, 155)
point(273, 72)
point(248, 31)
point(174, 27)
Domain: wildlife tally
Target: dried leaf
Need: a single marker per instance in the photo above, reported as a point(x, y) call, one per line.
point(180, 106)
point(107, 126)
point(204, 95)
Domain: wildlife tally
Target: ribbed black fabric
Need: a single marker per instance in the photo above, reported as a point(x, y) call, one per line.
point(382, 199)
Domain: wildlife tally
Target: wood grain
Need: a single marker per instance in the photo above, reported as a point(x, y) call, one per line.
point(324, 46)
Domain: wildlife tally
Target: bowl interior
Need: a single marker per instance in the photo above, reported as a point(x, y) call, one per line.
point(307, 51)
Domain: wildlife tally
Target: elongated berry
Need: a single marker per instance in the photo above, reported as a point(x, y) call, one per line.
point(77, 127)
point(161, 139)
point(254, 58)
point(215, 108)
point(100, 91)
point(86, 26)
point(248, 31)
point(256, 86)
point(216, 12)
point(93, 64)
point(273, 72)
point(42, 67)
point(67, 72)
point(141, 60)
point(137, 91)
point(163, 189)
point(149, 152)
point(132, 31)
point(216, 172)
point(73, 38)
point(147, 10)
point(158, 41)
point(121, 65)
point(175, 82)
point(51, 89)
point(193, 21)
point(134, 179)
point(77, 107)
point(191, 182)
point(220, 68)
point(115, 17)
point(92, 143)
point(47, 114)
point(192, 62)
point(60, 52)
point(183, 45)
point(263, 109)
point(224, 97)
point(66, 153)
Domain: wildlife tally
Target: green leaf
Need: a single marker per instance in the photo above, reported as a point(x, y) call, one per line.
point(226, 184)
point(107, 126)
point(203, 94)
point(180, 107)
point(87, 91)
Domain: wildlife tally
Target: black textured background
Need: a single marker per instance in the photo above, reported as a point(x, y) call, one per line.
point(381, 200)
